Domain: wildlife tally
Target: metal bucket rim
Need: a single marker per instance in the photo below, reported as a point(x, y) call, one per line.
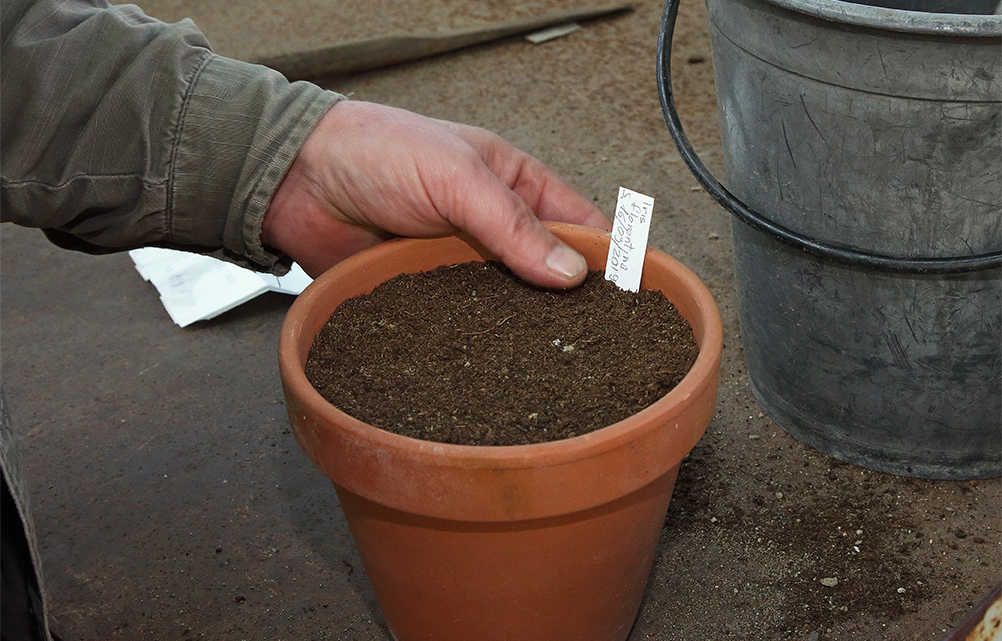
point(744, 213)
point(919, 22)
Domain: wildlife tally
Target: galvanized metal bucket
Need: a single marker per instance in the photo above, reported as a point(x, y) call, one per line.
point(863, 149)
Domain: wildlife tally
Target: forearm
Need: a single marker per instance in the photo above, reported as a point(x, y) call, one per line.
point(120, 131)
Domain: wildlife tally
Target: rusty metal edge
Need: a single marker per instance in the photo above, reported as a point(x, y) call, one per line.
point(976, 616)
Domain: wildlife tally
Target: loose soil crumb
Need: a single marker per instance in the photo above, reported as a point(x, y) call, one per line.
point(470, 354)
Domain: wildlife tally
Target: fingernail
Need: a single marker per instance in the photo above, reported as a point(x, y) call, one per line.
point(565, 261)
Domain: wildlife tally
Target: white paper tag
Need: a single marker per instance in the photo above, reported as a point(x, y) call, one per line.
point(625, 263)
point(552, 33)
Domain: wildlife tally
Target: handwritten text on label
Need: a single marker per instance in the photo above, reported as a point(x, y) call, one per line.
point(625, 263)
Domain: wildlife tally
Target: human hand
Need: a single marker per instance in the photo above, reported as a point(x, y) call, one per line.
point(369, 172)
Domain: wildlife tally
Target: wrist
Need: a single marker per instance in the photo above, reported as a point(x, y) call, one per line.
point(300, 221)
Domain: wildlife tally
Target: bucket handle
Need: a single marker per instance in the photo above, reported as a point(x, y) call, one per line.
point(756, 220)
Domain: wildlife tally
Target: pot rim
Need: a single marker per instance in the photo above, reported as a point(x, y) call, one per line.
point(505, 456)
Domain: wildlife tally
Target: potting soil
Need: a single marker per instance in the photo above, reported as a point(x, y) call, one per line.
point(470, 354)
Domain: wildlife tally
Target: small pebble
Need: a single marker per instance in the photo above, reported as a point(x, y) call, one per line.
point(829, 582)
point(901, 590)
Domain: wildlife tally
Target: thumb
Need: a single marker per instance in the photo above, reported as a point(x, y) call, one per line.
point(541, 258)
point(506, 226)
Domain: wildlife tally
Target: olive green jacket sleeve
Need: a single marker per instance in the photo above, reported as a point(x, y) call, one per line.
point(119, 131)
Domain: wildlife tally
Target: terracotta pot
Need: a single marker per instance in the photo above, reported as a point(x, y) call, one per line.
point(531, 542)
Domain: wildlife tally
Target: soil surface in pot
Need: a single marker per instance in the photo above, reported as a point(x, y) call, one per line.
point(470, 354)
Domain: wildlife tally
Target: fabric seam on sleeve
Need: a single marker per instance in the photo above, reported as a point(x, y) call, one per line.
point(191, 82)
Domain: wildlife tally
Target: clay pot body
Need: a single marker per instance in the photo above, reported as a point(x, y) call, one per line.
point(543, 542)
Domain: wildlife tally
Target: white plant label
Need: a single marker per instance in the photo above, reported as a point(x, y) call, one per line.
point(625, 263)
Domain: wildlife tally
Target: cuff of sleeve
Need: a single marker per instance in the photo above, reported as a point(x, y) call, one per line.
point(241, 127)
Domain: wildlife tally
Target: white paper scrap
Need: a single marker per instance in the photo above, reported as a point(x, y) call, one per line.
point(292, 283)
point(552, 33)
point(625, 264)
point(194, 287)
